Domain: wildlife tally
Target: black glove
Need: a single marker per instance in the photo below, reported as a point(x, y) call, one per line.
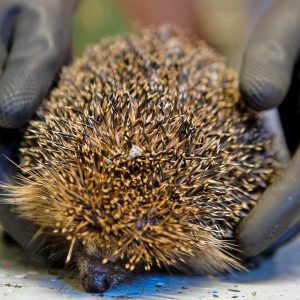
point(35, 41)
point(270, 78)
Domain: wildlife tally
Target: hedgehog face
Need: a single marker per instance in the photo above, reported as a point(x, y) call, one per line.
point(95, 276)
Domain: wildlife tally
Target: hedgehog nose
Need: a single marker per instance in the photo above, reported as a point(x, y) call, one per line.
point(97, 282)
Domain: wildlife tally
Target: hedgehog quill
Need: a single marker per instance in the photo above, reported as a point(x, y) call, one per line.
point(143, 157)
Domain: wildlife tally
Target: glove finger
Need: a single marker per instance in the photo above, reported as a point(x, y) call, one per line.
point(7, 20)
point(275, 213)
point(288, 237)
point(32, 64)
point(271, 56)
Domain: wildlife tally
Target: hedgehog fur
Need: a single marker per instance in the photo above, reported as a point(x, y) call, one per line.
point(144, 156)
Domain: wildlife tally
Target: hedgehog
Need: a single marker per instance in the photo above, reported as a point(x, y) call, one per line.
point(143, 157)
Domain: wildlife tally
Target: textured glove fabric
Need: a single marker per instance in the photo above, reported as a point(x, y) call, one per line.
point(35, 43)
point(270, 78)
point(271, 55)
point(276, 212)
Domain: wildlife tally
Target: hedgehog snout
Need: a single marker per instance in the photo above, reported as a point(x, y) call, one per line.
point(100, 278)
point(98, 281)
point(97, 277)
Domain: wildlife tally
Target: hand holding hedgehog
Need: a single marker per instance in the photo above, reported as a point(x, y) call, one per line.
point(135, 167)
point(143, 157)
point(35, 42)
point(270, 78)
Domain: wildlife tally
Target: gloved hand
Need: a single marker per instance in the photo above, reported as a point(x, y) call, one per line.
point(35, 41)
point(270, 78)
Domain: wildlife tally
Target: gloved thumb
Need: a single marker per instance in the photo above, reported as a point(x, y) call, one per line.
point(39, 46)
